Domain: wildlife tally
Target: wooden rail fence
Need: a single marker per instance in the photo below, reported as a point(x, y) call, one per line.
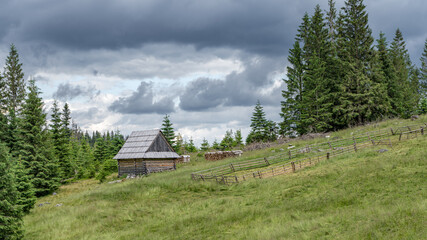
point(281, 163)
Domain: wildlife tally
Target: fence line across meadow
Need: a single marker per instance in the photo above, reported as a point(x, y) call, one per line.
point(238, 171)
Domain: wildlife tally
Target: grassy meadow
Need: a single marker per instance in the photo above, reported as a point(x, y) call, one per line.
point(366, 195)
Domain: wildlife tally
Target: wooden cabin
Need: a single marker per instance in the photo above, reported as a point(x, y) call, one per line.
point(146, 152)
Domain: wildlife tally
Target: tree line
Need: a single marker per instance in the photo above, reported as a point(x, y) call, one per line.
point(37, 156)
point(339, 77)
point(230, 140)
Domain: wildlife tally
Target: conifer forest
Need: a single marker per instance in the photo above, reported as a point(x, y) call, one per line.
point(338, 75)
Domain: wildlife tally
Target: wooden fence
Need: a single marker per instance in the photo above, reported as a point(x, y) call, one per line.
point(281, 163)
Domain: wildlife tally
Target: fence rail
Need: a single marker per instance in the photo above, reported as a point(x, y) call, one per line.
point(235, 172)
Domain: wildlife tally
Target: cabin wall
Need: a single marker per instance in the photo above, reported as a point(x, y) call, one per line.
point(160, 165)
point(144, 166)
point(131, 167)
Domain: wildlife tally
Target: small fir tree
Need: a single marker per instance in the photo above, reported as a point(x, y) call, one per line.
point(205, 145)
point(238, 140)
point(168, 131)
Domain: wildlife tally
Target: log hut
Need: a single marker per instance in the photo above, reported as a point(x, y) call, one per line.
point(146, 152)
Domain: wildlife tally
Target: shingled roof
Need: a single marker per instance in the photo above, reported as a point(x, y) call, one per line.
point(149, 144)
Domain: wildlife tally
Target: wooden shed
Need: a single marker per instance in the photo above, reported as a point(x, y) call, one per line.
point(146, 152)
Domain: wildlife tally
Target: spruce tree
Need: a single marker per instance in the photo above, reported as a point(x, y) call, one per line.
point(35, 150)
point(238, 138)
point(26, 193)
point(258, 124)
point(389, 73)
point(363, 96)
point(15, 83)
point(66, 121)
point(205, 145)
point(406, 76)
point(168, 131)
point(292, 106)
point(12, 138)
point(10, 211)
point(227, 142)
point(423, 71)
point(190, 147)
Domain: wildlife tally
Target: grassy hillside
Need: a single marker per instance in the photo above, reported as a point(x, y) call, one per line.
point(364, 195)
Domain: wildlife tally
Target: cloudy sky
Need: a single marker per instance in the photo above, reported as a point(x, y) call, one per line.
point(124, 64)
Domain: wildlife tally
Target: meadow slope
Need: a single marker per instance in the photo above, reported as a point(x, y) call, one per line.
point(366, 195)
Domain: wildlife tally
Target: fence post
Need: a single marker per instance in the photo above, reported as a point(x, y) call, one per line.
point(266, 161)
point(290, 154)
point(327, 155)
point(259, 175)
point(391, 129)
point(422, 131)
point(354, 143)
point(237, 181)
point(400, 136)
point(232, 167)
point(293, 166)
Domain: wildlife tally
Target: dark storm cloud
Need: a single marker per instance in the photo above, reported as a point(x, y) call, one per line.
point(238, 89)
point(66, 91)
point(142, 101)
point(255, 26)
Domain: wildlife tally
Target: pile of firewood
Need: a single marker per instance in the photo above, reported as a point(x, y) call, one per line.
point(215, 156)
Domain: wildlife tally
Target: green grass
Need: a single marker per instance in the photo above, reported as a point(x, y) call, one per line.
point(368, 195)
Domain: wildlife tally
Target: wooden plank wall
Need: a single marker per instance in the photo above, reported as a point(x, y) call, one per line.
point(141, 167)
point(130, 166)
point(160, 165)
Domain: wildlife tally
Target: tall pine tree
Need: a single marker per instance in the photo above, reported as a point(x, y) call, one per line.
point(406, 77)
point(362, 99)
point(35, 150)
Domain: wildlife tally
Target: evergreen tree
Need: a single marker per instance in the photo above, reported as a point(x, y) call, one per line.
point(423, 71)
point(100, 153)
point(190, 147)
point(205, 145)
point(227, 142)
point(26, 193)
point(15, 83)
point(35, 149)
point(406, 77)
point(168, 131)
point(10, 213)
point(215, 145)
point(3, 95)
point(389, 74)
point(12, 137)
point(66, 121)
point(331, 18)
point(292, 106)
point(179, 146)
point(238, 140)
point(258, 124)
point(60, 139)
point(362, 99)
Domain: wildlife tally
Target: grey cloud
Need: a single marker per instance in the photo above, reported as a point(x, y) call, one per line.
point(238, 89)
point(142, 102)
point(66, 91)
point(255, 26)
